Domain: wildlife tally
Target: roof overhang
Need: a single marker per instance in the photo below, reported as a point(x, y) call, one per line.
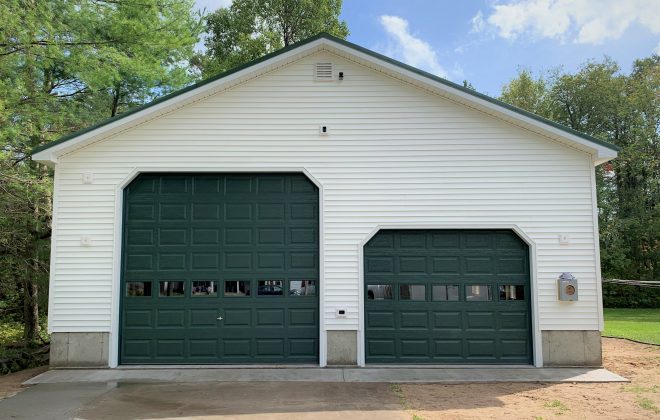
point(601, 151)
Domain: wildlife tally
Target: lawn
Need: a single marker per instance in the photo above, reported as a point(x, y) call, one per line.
point(635, 324)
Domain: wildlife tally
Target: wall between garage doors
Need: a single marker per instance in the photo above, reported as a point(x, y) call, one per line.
point(395, 154)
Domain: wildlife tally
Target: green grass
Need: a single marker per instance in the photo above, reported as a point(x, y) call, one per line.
point(634, 324)
point(557, 406)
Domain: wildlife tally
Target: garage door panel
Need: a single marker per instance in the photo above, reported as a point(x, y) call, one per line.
point(171, 318)
point(414, 348)
point(202, 349)
point(380, 320)
point(465, 293)
point(273, 347)
point(382, 265)
point(477, 265)
point(237, 318)
point(170, 348)
point(448, 320)
point(302, 347)
point(480, 348)
point(137, 349)
point(302, 318)
point(513, 349)
point(446, 265)
point(447, 350)
point(507, 265)
point(382, 348)
point(479, 321)
point(203, 318)
point(413, 320)
point(139, 318)
point(270, 318)
point(412, 265)
point(236, 347)
point(204, 233)
point(514, 321)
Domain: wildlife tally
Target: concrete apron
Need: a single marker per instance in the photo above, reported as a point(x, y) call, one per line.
point(315, 374)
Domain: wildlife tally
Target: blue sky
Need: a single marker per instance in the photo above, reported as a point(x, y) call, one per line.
point(486, 42)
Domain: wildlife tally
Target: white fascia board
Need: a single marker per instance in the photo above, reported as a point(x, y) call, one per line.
point(601, 153)
point(50, 155)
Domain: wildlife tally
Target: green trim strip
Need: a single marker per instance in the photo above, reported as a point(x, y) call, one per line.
point(346, 44)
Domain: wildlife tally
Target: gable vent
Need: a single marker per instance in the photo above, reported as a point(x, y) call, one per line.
point(323, 72)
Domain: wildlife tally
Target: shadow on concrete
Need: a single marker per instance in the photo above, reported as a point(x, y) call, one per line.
point(314, 400)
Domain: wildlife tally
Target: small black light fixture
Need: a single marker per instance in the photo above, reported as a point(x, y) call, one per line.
point(341, 75)
point(323, 130)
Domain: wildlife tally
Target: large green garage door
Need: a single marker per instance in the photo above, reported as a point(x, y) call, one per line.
point(220, 268)
point(447, 296)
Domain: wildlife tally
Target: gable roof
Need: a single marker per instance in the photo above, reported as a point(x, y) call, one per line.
point(601, 150)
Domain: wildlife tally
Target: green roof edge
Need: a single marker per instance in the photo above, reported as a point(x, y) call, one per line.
point(349, 45)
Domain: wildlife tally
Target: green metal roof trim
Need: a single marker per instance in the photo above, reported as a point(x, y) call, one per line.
point(349, 45)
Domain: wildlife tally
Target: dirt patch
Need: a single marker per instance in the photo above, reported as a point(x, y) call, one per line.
point(10, 384)
point(640, 399)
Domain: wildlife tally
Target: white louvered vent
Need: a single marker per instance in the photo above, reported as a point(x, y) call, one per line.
point(323, 72)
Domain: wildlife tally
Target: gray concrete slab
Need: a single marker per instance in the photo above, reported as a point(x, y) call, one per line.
point(255, 400)
point(51, 401)
point(386, 375)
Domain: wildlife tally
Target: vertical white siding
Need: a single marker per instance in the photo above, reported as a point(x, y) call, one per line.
point(395, 154)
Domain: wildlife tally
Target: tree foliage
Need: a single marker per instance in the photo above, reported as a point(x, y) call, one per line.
point(625, 110)
point(249, 29)
point(63, 66)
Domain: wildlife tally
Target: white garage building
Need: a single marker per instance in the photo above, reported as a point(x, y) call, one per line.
point(325, 205)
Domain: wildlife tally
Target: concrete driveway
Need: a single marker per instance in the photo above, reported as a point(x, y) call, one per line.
point(314, 393)
point(206, 400)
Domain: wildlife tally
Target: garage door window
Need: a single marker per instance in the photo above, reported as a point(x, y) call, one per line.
point(379, 291)
point(412, 292)
point(512, 292)
point(237, 288)
point(443, 292)
point(478, 293)
point(270, 288)
point(204, 288)
point(138, 288)
point(171, 289)
point(302, 288)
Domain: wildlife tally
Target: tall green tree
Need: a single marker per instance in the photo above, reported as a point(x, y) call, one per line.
point(625, 110)
point(249, 29)
point(63, 66)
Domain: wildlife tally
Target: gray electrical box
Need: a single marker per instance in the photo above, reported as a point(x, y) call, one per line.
point(567, 287)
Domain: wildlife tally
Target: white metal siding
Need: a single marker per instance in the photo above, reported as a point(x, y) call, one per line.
point(395, 154)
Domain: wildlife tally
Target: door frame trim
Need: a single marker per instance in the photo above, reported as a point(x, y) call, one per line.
point(113, 351)
point(537, 342)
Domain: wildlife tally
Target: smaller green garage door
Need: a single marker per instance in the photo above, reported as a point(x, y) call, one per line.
point(447, 297)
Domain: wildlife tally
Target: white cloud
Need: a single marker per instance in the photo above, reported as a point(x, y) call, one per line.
point(409, 48)
point(478, 23)
point(583, 21)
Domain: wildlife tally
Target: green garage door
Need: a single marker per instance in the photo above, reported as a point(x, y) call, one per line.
point(220, 268)
point(447, 296)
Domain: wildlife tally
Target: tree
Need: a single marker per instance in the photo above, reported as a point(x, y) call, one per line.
point(624, 110)
point(527, 93)
point(63, 66)
point(249, 29)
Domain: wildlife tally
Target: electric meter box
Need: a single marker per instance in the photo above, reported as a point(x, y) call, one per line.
point(567, 287)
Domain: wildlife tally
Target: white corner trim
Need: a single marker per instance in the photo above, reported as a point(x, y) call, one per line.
point(537, 341)
point(599, 275)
